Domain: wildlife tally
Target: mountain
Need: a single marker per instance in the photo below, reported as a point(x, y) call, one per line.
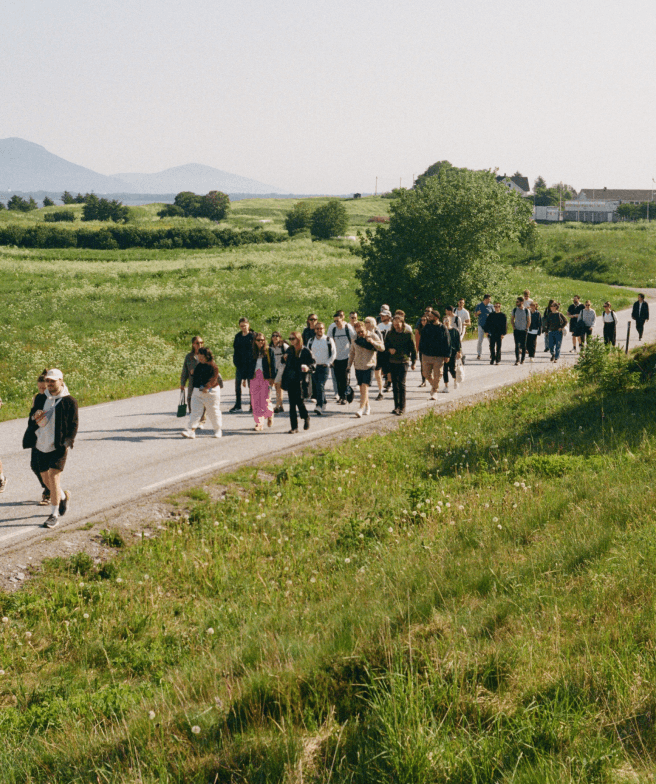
point(193, 177)
point(25, 167)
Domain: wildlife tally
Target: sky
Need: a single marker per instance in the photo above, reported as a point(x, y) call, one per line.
point(337, 96)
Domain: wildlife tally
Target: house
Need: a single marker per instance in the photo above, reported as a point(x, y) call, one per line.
point(516, 183)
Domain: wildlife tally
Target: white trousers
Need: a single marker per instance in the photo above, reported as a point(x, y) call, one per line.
point(209, 402)
point(481, 338)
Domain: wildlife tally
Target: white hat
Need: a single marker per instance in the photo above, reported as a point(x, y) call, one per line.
point(54, 375)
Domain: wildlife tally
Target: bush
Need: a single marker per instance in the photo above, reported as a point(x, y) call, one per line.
point(329, 220)
point(104, 210)
point(171, 211)
point(214, 205)
point(18, 204)
point(59, 217)
point(48, 202)
point(299, 218)
point(605, 365)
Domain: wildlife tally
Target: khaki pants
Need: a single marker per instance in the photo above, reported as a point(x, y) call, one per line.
point(431, 369)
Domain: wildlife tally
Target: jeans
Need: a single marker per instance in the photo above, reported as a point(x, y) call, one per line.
point(555, 341)
point(240, 375)
point(295, 396)
point(320, 378)
point(495, 348)
point(531, 340)
point(341, 374)
point(610, 332)
point(398, 371)
point(520, 343)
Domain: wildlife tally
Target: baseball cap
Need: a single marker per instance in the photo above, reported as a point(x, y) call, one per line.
point(385, 312)
point(54, 375)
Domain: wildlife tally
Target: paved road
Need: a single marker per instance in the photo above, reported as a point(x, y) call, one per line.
point(131, 448)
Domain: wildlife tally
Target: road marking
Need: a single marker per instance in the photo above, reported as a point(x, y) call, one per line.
point(177, 478)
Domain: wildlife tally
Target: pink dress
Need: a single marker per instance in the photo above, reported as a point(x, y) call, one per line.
point(262, 408)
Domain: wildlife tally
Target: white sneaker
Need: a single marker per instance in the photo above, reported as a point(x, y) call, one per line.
point(367, 411)
point(433, 396)
point(359, 413)
point(455, 385)
point(217, 434)
point(446, 388)
point(201, 426)
point(530, 359)
point(188, 434)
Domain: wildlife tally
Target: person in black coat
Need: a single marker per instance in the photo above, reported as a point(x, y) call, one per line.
point(241, 358)
point(496, 327)
point(435, 350)
point(298, 362)
point(640, 314)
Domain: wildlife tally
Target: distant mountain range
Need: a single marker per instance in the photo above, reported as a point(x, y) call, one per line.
point(25, 167)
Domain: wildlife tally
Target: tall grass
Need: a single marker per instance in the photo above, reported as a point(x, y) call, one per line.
point(469, 599)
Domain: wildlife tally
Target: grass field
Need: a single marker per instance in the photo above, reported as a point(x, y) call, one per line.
point(468, 599)
point(620, 253)
point(118, 323)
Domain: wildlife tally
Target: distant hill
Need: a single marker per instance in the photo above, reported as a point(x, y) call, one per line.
point(193, 177)
point(26, 167)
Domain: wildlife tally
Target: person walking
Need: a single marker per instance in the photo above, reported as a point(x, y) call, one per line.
point(610, 324)
point(547, 311)
point(205, 395)
point(640, 314)
point(482, 311)
point(496, 327)
point(421, 323)
point(400, 346)
point(362, 356)
point(573, 311)
point(342, 335)
point(34, 464)
point(308, 381)
point(520, 319)
point(241, 358)
point(324, 352)
point(52, 428)
point(587, 319)
point(261, 377)
point(188, 366)
point(298, 363)
point(279, 347)
point(383, 377)
point(555, 323)
point(435, 348)
point(456, 348)
point(534, 329)
point(462, 314)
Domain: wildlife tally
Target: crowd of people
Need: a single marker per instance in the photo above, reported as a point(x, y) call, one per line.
point(379, 350)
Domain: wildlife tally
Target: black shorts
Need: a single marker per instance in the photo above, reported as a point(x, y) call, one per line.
point(47, 460)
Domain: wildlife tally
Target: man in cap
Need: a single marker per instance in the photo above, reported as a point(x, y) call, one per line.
point(52, 428)
point(382, 360)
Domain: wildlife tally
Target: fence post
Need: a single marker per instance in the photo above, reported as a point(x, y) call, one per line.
point(628, 332)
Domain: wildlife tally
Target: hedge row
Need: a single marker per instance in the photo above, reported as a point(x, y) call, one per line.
point(122, 237)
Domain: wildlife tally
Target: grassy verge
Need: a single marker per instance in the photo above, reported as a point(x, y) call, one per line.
point(619, 253)
point(470, 598)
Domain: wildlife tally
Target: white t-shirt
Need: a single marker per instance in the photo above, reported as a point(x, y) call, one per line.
point(463, 315)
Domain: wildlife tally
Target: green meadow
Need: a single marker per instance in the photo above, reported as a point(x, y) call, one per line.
point(470, 598)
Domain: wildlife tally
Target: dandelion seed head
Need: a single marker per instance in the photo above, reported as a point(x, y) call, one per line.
point(495, 519)
point(28, 635)
point(347, 560)
point(5, 620)
point(391, 529)
point(196, 729)
point(151, 715)
point(210, 630)
point(86, 615)
point(499, 526)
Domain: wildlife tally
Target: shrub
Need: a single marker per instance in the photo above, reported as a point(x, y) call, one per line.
point(104, 210)
point(60, 216)
point(48, 202)
point(18, 204)
point(171, 211)
point(605, 365)
point(329, 220)
point(299, 218)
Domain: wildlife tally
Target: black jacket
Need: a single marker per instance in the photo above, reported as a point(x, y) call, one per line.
point(242, 349)
point(403, 344)
point(536, 321)
point(496, 324)
point(640, 311)
point(66, 422)
point(292, 375)
point(268, 366)
point(456, 343)
point(435, 341)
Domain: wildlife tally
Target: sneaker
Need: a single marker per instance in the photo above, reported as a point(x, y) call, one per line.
point(367, 410)
point(531, 360)
point(293, 430)
point(545, 351)
point(463, 358)
point(497, 362)
point(517, 362)
point(188, 434)
point(359, 413)
point(491, 362)
point(51, 522)
point(318, 411)
point(446, 389)
point(201, 425)
point(433, 396)
point(306, 426)
point(234, 409)
point(217, 434)
point(396, 411)
point(45, 499)
point(478, 357)
point(380, 396)
point(63, 504)
point(387, 387)
point(423, 384)
point(3, 484)
point(455, 385)
point(341, 402)
point(552, 358)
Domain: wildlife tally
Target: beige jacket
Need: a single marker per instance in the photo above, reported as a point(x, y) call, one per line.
point(363, 358)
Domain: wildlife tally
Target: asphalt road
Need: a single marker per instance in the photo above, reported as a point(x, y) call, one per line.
point(128, 449)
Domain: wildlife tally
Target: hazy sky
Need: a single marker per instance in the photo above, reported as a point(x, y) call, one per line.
point(323, 97)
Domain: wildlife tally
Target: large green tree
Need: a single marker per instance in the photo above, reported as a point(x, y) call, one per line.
point(329, 220)
point(442, 243)
point(299, 217)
